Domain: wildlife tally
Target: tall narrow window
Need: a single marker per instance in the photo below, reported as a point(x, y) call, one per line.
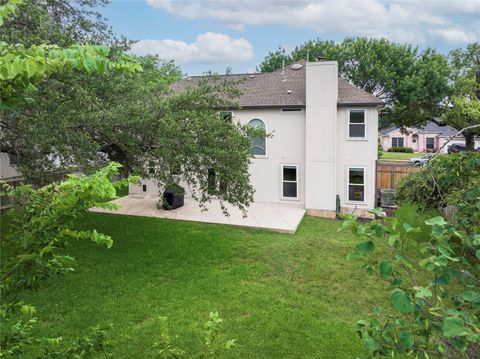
point(356, 124)
point(258, 142)
point(211, 181)
point(430, 143)
point(397, 141)
point(356, 184)
point(289, 181)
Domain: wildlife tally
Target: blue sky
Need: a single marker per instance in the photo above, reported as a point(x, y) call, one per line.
point(215, 34)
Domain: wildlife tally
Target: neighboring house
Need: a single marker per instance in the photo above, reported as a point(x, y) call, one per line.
point(324, 140)
point(9, 174)
point(428, 138)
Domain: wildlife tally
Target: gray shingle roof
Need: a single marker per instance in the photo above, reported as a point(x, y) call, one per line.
point(286, 88)
point(432, 127)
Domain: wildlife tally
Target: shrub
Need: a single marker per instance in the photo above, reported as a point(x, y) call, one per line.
point(433, 272)
point(401, 149)
point(42, 225)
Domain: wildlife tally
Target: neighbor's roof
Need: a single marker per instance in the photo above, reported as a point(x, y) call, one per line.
point(284, 88)
point(432, 127)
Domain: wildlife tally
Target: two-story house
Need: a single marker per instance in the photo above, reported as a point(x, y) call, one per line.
point(324, 141)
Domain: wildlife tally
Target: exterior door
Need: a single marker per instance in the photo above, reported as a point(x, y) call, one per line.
point(415, 143)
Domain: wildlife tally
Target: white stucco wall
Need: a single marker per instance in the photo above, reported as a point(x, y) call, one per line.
point(357, 153)
point(286, 146)
point(7, 170)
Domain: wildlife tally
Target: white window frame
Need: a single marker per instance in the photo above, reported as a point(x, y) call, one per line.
point(266, 138)
point(426, 143)
point(398, 138)
point(347, 196)
point(297, 168)
point(364, 138)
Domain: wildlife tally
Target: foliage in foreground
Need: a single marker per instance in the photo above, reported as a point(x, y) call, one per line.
point(434, 274)
point(214, 342)
point(42, 226)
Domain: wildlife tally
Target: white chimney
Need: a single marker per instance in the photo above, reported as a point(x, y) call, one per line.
point(321, 134)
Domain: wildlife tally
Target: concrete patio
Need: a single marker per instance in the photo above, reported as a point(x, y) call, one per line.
point(277, 217)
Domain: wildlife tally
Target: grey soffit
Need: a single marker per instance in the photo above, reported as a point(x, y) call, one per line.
point(283, 88)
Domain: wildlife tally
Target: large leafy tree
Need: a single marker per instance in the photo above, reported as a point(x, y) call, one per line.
point(80, 122)
point(59, 22)
point(413, 83)
point(463, 107)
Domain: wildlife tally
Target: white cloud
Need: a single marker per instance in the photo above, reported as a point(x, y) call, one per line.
point(208, 48)
point(455, 36)
point(400, 20)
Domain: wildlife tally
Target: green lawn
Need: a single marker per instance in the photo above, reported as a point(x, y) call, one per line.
point(398, 156)
point(281, 296)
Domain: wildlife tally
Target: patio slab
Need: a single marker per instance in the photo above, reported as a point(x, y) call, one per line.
point(273, 216)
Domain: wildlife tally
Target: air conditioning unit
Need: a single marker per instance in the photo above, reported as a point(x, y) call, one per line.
point(387, 198)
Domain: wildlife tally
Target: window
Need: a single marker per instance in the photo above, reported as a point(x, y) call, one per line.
point(356, 124)
point(290, 181)
point(397, 141)
point(258, 143)
point(356, 184)
point(215, 184)
point(226, 115)
point(211, 181)
point(144, 188)
point(430, 143)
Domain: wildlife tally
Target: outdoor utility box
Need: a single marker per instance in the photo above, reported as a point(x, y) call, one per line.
point(173, 198)
point(387, 198)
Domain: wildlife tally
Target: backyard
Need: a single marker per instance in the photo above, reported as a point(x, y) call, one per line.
point(280, 295)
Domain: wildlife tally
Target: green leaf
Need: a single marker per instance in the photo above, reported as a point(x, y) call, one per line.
point(423, 292)
point(366, 247)
point(407, 227)
point(471, 296)
point(371, 344)
point(406, 339)
point(394, 240)
point(386, 268)
point(436, 221)
point(401, 301)
point(454, 327)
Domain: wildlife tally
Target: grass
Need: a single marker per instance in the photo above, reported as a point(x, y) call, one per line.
point(281, 296)
point(398, 156)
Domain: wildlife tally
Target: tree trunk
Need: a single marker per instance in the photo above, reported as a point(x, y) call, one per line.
point(469, 141)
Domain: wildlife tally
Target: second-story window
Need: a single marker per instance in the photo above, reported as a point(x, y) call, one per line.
point(258, 141)
point(356, 124)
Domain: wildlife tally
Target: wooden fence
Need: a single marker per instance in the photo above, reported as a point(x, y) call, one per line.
point(389, 173)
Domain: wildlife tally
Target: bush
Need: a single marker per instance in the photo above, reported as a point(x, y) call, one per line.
point(401, 149)
point(433, 272)
point(434, 183)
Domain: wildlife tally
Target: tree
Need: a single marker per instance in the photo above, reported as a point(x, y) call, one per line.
point(59, 22)
point(21, 67)
point(463, 107)
point(412, 83)
point(81, 121)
